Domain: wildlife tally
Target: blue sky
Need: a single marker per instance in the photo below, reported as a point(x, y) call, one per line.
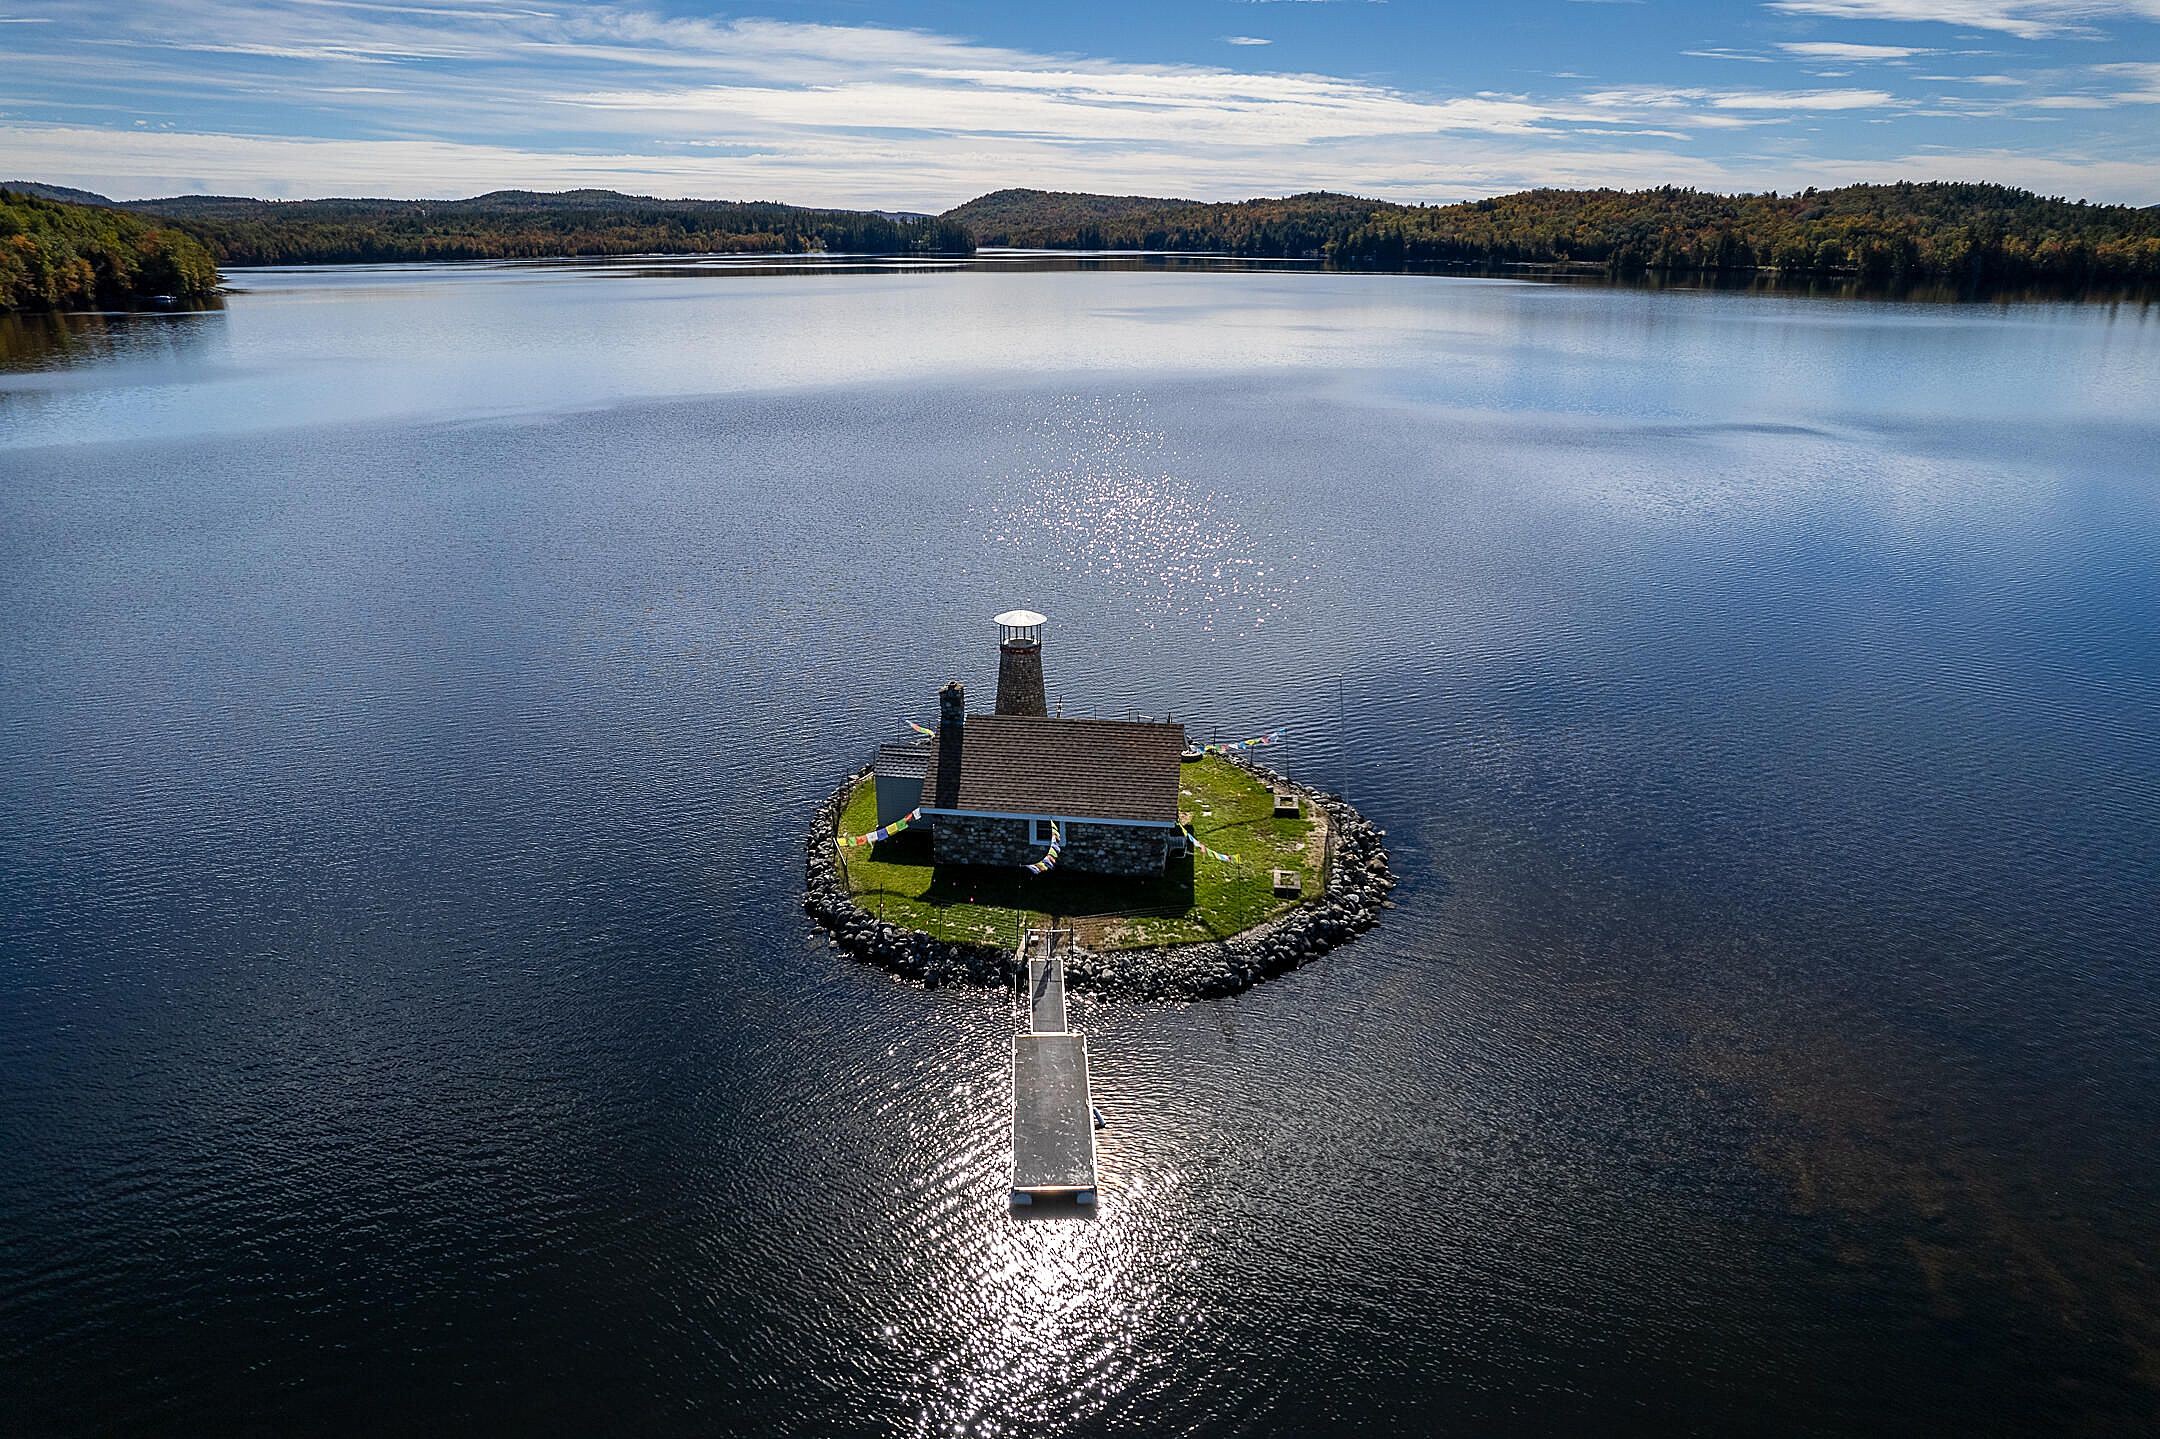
point(920, 106)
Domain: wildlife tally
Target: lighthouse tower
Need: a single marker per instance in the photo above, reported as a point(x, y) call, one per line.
point(1020, 677)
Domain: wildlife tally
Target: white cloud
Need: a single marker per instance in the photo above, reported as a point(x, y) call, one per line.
point(1838, 50)
point(904, 175)
point(895, 173)
point(1245, 40)
point(1807, 100)
point(2143, 74)
point(437, 97)
point(1672, 98)
point(910, 173)
point(2026, 19)
point(2123, 181)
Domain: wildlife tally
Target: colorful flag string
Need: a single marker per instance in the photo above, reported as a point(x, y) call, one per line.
point(1214, 854)
point(1255, 742)
point(858, 841)
point(922, 729)
point(1057, 844)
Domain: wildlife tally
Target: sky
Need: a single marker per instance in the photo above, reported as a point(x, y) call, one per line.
point(920, 106)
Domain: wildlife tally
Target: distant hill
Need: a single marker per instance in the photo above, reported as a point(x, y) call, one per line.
point(525, 224)
point(1023, 217)
point(1295, 225)
point(1962, 233)
point(53, 192)
point(59, 256)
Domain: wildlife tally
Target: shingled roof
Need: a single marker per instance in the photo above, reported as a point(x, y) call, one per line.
point(1071, 768)
point(903, 759)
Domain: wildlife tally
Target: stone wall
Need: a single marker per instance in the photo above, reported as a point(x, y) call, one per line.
point(1020, 681)
point(1115, 849)
point(1089, 848)
point(979, 839)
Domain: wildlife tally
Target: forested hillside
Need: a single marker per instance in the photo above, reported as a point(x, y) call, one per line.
point(1970, 235)
point(1961, 233)
point(1054, 218)
point(56, 256)
point(523, 224)
point(1296, 225)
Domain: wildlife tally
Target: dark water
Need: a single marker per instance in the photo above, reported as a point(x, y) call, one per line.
point(415, 681)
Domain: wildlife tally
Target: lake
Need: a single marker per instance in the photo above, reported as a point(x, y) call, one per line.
point(417, 681)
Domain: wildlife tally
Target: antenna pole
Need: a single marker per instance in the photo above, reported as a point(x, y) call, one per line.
point(1342, 739)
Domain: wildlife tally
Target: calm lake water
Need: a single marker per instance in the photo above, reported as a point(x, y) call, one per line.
point(416, 680)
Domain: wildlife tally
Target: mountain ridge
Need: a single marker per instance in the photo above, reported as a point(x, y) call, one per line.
point(1971, 235)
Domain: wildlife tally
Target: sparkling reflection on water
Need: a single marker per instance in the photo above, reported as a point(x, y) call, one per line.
point(1093, 490)
point(415, 681)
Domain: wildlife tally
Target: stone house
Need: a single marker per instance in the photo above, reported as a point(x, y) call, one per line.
point(994, 783)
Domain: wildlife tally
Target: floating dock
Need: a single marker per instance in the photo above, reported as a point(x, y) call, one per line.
point(1053, 1112)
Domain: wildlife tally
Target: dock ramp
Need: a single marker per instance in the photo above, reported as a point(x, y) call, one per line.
point(1053, 1111)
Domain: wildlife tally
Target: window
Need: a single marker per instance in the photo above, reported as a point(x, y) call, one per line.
point(1039, 830)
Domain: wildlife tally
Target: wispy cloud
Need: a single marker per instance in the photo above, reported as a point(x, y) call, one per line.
point(2060, 173)
point(1839, 50)
point(2026, 19)
point(1246, 40)
point(443, 97)
point(2143, 76)
point(1716, 52)
point(1675, 98)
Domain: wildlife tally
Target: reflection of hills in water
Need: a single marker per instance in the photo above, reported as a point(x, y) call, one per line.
point(57, 341)
point(1096, 490)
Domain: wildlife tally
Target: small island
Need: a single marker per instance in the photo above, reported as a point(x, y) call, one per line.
point(1193, 900)
point(1175, 869)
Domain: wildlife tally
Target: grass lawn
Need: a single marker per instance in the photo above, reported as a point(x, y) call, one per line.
point(1197, 898)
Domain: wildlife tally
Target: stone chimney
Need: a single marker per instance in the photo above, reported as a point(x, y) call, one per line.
point(952, 730)
point(1020, 673)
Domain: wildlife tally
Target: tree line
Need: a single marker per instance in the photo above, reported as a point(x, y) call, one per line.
point(1973, 235)
point(1967, 234)
point(514, 224)
point(56, 256)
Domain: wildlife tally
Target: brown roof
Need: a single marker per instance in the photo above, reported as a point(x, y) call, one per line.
point(1072, 768)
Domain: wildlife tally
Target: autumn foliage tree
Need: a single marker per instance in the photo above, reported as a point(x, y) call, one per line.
point(56, 256)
